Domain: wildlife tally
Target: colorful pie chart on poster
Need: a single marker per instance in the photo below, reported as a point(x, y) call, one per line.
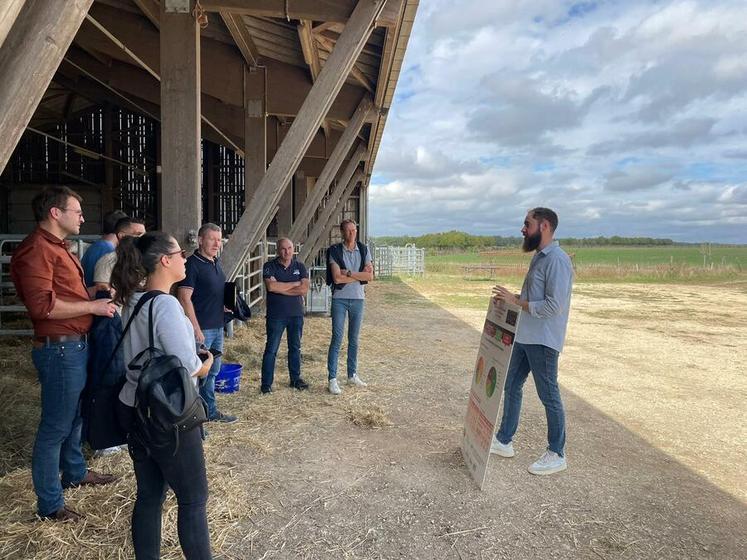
point(479, 369)
point(490, 382)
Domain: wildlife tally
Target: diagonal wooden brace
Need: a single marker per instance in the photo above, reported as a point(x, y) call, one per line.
point(253, 222)
point(30, 55)
point(298, 230)
point(310, 249)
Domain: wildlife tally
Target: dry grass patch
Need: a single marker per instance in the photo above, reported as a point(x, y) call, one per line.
point(369, 416)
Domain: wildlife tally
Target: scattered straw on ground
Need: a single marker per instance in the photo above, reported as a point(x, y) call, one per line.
point(265, 424)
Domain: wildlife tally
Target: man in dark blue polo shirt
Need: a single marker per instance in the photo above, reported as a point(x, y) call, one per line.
point(201, 296)
point(287, 281)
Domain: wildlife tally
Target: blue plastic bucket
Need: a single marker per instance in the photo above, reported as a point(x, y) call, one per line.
point(228, 378)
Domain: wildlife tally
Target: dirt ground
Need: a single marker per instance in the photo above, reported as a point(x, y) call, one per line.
point(654, 388)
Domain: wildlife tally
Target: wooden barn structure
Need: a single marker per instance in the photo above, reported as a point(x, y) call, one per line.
point(263, 116)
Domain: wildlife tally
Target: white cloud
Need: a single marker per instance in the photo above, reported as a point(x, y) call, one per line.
point(628, 117)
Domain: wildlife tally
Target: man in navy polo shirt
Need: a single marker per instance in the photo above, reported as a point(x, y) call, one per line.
point(287, 281)
point(201, 296)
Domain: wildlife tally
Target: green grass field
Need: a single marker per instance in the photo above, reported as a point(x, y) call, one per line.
point(635, 264)
point(643, 256)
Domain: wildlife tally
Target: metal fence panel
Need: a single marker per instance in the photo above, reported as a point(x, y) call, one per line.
point(391, 261)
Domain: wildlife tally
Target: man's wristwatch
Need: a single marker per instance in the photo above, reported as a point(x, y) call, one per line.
point(348, 273)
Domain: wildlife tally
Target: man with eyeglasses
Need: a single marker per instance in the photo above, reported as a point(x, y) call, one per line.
point(49, 281)
point(201, 295)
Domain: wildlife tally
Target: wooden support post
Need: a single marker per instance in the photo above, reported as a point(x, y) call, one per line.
point(180, 126)
point(303, 219)
point(327, 221)
point(30, 55)
point(255, 130)
point(252, 224)
point(8, 13)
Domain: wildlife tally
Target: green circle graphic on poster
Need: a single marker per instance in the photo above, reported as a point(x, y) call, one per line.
point(479, 369)
point(490, 382)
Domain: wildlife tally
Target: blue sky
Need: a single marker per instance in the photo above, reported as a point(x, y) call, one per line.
point(628, 118)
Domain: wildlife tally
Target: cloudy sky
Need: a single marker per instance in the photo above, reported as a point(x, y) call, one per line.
point(628, 117)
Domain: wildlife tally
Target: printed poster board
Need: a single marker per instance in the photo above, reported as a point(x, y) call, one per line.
point(488, 378)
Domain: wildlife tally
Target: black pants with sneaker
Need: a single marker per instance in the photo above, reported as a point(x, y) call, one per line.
point(156, 469)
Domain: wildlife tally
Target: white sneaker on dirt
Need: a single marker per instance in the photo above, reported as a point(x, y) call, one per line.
point(109, 451)
point(334, 388)
point(549, 463)
point(355, 380)
point(502, 449)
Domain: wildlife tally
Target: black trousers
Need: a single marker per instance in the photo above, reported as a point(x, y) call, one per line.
point(156, 469)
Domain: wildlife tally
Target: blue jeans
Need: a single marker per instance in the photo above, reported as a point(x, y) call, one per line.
point(275, 328)
point(341, 307)
point(543, 363)
point(61, 368)
point(213, 339)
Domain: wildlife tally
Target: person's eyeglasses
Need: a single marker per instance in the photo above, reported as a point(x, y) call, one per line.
point(79, 212)
point(181, 252)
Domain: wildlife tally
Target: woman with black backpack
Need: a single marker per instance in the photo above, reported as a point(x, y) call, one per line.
point(163, 461)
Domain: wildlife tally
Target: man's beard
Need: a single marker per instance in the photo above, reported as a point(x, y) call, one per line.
point(532, 242)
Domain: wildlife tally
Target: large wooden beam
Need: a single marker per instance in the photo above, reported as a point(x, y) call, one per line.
point(32, 51)
point(180, 126)
point(255, 131)
point(252, 224)
point(241, 37)
point(327, 220)
point(311, 57)
point(318, 10)
point(308, 46)
point(298, 231)
point(9, 11)
point(225, 138)
point(222, 66)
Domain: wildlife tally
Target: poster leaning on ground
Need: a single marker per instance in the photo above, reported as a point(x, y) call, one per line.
point(485, 394)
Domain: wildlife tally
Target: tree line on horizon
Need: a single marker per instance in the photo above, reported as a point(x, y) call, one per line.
point(462, 240)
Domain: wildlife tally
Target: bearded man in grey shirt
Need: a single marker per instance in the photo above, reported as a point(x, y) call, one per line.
point(545, 300)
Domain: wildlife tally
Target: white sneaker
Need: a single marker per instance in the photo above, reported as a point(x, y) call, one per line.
point(502, 449)
point(549, 463)
point(355, 380)
point(334, 388)
point(108, 451)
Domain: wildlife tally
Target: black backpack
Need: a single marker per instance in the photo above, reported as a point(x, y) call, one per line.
point(106, 376)
point(167, 402)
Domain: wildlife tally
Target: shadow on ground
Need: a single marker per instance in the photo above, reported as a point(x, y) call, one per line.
point(322, 484)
